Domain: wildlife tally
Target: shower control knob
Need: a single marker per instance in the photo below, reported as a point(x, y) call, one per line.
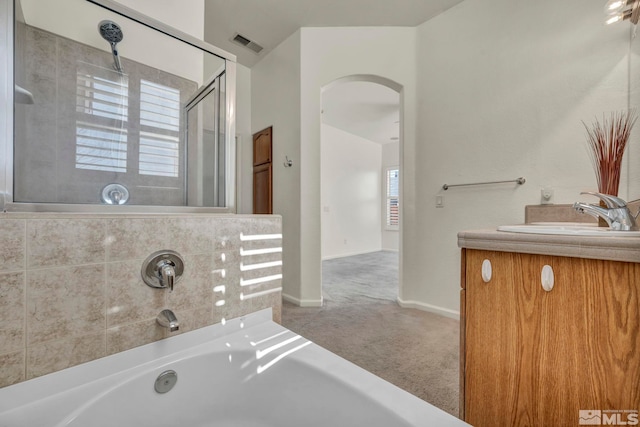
point(162, 269)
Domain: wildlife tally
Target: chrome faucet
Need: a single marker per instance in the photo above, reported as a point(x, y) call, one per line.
point(616, 214)
point(168, 320)
point(167, 275)
point(162, 269)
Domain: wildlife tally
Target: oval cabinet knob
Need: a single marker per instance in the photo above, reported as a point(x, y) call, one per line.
point(547, 278)
point(487, 271)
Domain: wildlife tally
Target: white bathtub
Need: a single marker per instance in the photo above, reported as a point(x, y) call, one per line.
point(249, 372)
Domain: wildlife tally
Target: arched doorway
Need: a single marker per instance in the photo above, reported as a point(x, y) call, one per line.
point(361, 190)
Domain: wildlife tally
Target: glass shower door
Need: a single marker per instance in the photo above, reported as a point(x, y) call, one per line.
point(207, 158)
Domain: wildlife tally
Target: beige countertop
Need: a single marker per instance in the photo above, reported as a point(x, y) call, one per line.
point(625, 249)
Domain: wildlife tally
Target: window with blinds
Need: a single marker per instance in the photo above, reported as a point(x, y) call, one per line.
point(159, 129)
point(393, 198)
point(101, 129)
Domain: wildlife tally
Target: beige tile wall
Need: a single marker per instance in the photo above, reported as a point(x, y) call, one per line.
point(564, 213)
point(554, 213)
point(45, 133)
point(71, 291)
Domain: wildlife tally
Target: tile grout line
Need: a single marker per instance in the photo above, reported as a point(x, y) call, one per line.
point(105, 284)
point(102, 223)
point(25, 311)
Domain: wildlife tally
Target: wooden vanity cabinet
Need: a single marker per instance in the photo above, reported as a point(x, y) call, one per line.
point(531, 357)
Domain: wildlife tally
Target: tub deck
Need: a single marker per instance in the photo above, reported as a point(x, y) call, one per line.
point(248, 372)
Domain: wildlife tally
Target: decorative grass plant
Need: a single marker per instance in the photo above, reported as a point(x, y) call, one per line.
point(607, 142)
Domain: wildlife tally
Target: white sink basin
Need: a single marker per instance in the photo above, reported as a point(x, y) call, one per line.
point(567, 228)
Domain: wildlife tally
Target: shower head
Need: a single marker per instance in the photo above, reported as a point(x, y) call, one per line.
point(111, 32)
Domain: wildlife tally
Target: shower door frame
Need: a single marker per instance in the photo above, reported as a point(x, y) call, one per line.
point(210, 88)
point(7, 203)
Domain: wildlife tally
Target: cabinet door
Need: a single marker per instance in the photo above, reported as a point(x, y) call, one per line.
point(492, 339)
point(538, 358)
point(583, 342)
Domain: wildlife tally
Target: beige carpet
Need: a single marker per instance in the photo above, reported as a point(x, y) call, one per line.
point(360, 321)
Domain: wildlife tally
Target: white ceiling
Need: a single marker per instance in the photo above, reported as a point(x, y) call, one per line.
point(270, 22)
point(369, 110)
point(365, 109)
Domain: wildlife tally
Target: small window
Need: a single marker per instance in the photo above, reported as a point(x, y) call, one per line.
point(159, 130)
point(102, 97)
point(101, 148)
point(101, 126)
point(103, 130)
point(393, 198)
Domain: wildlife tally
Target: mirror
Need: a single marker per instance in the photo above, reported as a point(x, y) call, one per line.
point(633, 153)
point(111, 111)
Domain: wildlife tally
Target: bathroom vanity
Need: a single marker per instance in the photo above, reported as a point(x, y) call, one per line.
point(550, 329)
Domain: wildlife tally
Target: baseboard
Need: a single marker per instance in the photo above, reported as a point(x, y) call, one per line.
point(350, 254)
point(454, 314)
point(302, 303)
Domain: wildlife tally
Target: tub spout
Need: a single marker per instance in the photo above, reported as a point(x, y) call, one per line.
point(168, 320)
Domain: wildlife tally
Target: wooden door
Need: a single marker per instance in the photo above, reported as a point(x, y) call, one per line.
point(262, 172)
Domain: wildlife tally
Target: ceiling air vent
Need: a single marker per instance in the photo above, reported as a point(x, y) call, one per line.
point(243, 41)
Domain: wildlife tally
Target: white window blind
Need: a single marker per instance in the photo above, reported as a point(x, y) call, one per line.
point(159, 129)
point(101, 128)
point(393, 198)
point(101, 148)
point(102, 97)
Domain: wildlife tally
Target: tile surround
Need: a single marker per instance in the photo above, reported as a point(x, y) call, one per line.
point(12, 296)
point(48, 244)
point(554, 213)
point(59, 354)
point(65, 301)
point(71, 292)
point(49, 65)
point(12, 368)
point(564, 213)
point(12, 244)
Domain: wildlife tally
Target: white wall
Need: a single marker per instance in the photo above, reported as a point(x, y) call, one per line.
point(500, 88)
point(78, 20)
point(328, 54)
point(188, 19)
point(503, 88)
point(286, 93)
point(632, 162)
point(244, 148)
point(390, 158)
point(275, 101)
point(351, 194)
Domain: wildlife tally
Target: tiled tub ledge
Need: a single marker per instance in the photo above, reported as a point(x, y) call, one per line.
point(71, 290)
